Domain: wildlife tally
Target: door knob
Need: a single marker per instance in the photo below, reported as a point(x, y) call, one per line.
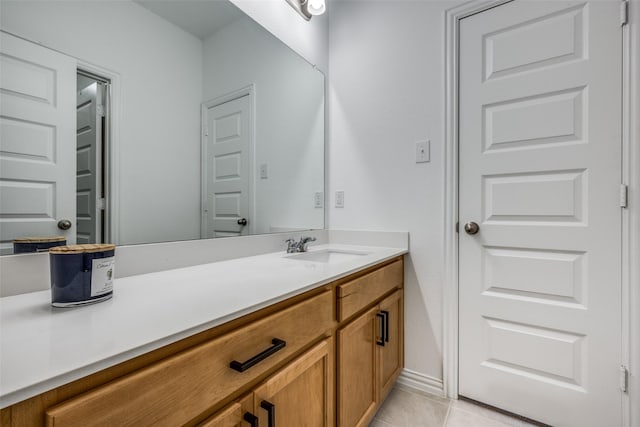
point(64, 224)
point(242, 221)
point(471, 228)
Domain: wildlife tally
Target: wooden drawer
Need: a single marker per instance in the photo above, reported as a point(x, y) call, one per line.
point(175, 390)
point(355, 295)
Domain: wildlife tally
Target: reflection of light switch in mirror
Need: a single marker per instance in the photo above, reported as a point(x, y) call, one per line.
point(263, 171)
point(422, 151)
point(318, 199)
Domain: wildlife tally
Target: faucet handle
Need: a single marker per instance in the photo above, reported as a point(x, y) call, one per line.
point(291, 245)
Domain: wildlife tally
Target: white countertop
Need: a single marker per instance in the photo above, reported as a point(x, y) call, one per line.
point(42, 347)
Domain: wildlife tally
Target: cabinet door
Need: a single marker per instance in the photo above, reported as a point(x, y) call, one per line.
point(300, 394)
point(357, 360)
point(391, 354)
point(238, 414)
point(231, 416)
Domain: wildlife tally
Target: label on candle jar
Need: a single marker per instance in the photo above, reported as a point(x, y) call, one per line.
point(102, 276)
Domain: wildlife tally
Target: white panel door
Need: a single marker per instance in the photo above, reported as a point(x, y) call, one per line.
point(540, 156)
point(227, 169)
point(37, 141)
point(89, 164)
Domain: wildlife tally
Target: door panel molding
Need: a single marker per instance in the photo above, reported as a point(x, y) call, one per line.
point(112, 135)
point(249, 91)
point(630, 220)
point(38, 116)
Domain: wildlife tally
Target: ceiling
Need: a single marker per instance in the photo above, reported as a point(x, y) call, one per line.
point(201, 18)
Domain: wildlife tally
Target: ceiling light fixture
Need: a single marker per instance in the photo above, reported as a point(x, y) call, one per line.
point(316, 7)
point(308, 8)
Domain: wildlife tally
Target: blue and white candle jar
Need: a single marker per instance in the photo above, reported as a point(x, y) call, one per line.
point(25, 245)
point(81, 274)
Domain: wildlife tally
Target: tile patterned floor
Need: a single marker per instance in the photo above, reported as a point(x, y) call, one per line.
point(406, 407)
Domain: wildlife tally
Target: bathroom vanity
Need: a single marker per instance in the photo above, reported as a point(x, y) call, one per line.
point(265, 340)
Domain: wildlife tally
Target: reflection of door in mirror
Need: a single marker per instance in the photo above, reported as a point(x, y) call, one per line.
point(37, 160)
point(51, 177)
point(227, 144)
point(90, 167)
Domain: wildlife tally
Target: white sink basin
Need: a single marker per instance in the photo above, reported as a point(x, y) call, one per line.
point(328, 256)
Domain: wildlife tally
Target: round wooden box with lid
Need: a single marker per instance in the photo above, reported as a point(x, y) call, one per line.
point(81, 274)
point(24, 245)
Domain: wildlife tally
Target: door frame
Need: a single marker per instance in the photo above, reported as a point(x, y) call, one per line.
point(112, 151)
point(105, 148)
point(250, 91)
point(630, 310)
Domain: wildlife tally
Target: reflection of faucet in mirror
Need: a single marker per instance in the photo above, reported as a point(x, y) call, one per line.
point(301, 246)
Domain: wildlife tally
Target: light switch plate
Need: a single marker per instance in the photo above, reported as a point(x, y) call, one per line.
point(264, 171)
point(339, 199)
point(318, 199)
point(423, 151)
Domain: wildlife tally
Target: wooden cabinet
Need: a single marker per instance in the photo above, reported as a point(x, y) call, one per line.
point(357, 360)
point(370, 358)
point(392, 353)
point(280, 361)
point(179, 388)
point(232, 416)
point(300, 394)
point(356, 294)
point(237, 414)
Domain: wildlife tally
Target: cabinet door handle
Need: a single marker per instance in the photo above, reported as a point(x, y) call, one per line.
point(386, 325)
point(251, 419)
point(381, 341)
point(271, 412)
point(278, 345)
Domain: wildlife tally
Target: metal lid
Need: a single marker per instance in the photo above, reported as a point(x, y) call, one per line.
point(39, 239)
point(79, 249)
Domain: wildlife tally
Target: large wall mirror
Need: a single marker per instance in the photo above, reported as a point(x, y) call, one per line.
point(152, 121)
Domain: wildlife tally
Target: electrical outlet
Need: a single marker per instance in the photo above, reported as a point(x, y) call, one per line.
point(339, 199)
point(263, 171)
point(423, 149)
point(318, 199)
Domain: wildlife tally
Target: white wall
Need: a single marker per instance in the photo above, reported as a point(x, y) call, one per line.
point(159, 128)
point(289, 112)
point(387, 92)
point(310, 39)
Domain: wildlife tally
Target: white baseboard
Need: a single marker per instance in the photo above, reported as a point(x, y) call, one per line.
point(421, 382)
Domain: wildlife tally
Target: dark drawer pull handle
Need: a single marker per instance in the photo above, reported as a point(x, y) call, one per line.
point(381, 341)
point(386, 325)
point(251, 419)
point(271, 412)
point(278, 344)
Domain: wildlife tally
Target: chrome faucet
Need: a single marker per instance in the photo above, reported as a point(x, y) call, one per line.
point(301, 246)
